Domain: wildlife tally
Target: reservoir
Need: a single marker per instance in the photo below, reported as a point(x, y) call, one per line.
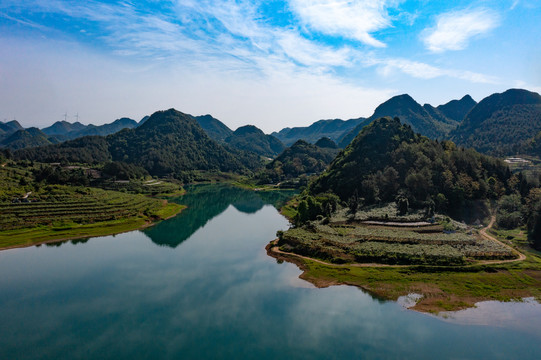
point(201, 286)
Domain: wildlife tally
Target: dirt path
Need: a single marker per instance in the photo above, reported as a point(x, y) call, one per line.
point(484, 234)
point(274, 248)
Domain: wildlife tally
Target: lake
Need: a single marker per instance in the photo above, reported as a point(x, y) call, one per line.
point(200, 286)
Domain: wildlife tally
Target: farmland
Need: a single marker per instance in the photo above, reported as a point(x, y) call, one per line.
point(32, 212)
point(404, 240)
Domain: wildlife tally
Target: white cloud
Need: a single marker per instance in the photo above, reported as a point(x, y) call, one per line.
point(354, 19)
point(309, 53)
point(425, 71)
point(454, 30)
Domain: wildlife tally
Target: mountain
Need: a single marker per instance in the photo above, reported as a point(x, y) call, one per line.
point(27, 138)
point(427, 120)
point(250, 138)
point(332, 129)
point(214, 128)
point(325, 142)
point(8, 128)
point(169, 143)
point(500, 123)
point(457, 109)
point(63, 128)
point(87, 150)
point(302, 158)
point(388, 159)
point(105, 129)
point(143, 120)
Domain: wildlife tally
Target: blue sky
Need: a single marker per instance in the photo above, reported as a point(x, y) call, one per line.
point(270, 63)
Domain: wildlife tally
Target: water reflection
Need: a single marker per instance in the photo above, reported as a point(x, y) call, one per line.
point(206, 202)
point(524, 315)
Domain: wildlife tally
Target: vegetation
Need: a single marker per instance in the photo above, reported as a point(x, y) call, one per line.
point(41, 203)
point(169, 143)
point(27, 138)
point(250, 138)
point(501, 123)
point(333, 129)
point(388, 160)
point(411, 113)
point(66, 131)
point(214, 128)
point(456, 110)
point(302, 158)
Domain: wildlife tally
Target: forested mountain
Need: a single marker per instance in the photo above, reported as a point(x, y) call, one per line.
point(332, 129)
point(388, 159)
point(143, 120)
point(250, 138)
point(214, 128)
point(501, 123)
point(105, 129)
point(8, 128)
point(302, 158)
point(87, 150)
point(169, 143)
point(426, 120)
point(457, 109)
point(27, 138)
point(325, 142)
point(64, 130)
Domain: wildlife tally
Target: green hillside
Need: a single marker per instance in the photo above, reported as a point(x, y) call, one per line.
point(250, 138)
point(388, 159)
point(500, 123)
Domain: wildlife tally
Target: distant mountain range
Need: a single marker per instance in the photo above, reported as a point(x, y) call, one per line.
point(66, 131)
point(501, 124)
point(169, 143)
point(434, 122)
point(333, 129)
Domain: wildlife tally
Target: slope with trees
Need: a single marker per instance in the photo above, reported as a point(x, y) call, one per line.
point(500, 124)
point(169, 143)
point(214, 128)
point(388, 160)
point(302, 158)
point(250, 138)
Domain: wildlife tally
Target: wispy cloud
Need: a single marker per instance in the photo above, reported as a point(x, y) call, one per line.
point(355, 19)
point(420, 70)
point(454, 30)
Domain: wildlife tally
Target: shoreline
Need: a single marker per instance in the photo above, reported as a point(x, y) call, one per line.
point(458, 289)
point(137, 226)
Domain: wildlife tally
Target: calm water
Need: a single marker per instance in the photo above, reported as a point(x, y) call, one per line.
point(201, 286)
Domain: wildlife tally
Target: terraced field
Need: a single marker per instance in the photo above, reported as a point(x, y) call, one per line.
point(63, 212)
point(364, 243)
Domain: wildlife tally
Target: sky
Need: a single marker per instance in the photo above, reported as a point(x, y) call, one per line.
point(273, 64)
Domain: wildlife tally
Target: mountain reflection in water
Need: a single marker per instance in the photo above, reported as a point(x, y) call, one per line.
point(205, 202)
